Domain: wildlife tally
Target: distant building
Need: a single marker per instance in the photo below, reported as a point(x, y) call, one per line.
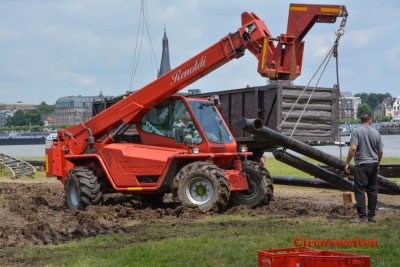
point(396, 109)
point(4, 114)
point(48, 119)
point(16, 105)
point(348, 105)
point(356, 103)
point(378, 111)
point(390, 107)
point(72, 110)
point(387, 107)
point(8, 109)
point(194, 91)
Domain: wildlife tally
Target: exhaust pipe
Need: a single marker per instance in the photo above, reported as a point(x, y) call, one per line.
point(256, 127)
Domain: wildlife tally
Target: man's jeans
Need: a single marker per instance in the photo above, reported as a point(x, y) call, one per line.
point(365, 180)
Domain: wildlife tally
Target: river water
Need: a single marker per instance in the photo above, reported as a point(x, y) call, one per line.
point(391, 149)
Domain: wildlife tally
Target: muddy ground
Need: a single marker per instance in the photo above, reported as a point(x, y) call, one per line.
point(35, 213)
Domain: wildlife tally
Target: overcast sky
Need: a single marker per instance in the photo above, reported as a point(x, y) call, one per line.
point(51, 49)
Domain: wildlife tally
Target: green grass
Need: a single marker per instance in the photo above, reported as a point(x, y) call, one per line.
point(217, 241)
point(32, 158)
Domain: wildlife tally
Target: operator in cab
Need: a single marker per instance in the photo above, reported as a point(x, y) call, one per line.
point(190, 131)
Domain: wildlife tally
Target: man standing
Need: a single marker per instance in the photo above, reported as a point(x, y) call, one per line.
point(367, 149)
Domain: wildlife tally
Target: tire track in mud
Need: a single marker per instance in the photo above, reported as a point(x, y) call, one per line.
point(37, 214)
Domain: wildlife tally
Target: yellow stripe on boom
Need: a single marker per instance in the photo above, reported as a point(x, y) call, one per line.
point(298, 8)
point(329, 10)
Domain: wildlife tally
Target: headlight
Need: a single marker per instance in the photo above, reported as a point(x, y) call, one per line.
point(193, 150)
point(242, 149)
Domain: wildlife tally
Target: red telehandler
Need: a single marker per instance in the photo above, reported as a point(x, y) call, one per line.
point(183, 145)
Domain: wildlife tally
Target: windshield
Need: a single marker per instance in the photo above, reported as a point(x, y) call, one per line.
point(211, 121)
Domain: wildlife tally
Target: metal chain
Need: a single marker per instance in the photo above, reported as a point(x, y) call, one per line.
point(338, 97)
point(339, 33)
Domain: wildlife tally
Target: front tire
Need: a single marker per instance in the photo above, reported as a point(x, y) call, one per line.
point(260, 183)
point(82, 188)
point(202, 184)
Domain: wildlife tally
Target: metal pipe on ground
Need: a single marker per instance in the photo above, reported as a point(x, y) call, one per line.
point(311, 169)
point(312, 182)
point(298, 181)
point(385, 170)
point(256, 127)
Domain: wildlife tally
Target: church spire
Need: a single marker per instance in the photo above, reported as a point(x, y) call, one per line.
point(165, 65)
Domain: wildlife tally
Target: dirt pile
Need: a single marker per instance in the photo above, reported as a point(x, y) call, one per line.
point(36, 213)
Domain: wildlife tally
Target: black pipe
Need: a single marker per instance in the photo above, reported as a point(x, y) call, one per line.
point(298, 181)
point(255, 126)
point(313, 170)
point(311, 182)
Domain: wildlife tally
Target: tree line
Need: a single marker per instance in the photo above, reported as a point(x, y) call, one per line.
point(29, 118)
point(368, 103)
point(372, 99)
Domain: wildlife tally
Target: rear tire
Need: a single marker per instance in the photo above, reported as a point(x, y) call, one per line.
point(82, 188)
point(202, 184)
point(260, 183)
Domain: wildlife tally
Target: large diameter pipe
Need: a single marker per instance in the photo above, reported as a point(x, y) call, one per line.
point(311, 169)
point(311, 182)
point(298, 181)
point(256, 127)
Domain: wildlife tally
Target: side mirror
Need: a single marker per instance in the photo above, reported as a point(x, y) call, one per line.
point(183, 136)
point(179, 136)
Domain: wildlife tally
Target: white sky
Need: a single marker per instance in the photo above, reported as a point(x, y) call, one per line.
point(51, 49)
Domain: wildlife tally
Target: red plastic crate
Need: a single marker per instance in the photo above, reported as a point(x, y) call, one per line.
point(333, 259)
point(287, 257)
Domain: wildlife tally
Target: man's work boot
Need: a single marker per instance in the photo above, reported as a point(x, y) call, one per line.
point(359, 220)
point(372, 219)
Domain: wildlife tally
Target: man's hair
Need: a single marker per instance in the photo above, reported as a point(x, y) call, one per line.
point(366, 117)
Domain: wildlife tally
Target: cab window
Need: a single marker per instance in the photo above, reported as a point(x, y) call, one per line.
point(163, 119)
